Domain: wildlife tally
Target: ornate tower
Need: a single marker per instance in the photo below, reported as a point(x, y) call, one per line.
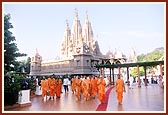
point(76, 32)
point(67, 43)
point(88, 33)
point(36, 64)
point(133, 57)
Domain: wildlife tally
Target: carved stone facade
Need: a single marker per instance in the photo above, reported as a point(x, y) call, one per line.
point(133, 57)
point(80, 52)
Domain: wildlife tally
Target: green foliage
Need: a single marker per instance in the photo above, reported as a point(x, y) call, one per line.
point(12, 83)
point(10, 47)
point(152, 56)
point(134, 71)
point(11, 88)
point(31, 83)
point(23, 64)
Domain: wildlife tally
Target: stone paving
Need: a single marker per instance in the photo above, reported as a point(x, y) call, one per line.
point(146, 98)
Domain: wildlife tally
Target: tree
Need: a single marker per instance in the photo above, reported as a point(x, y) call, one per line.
point(151, 56)
point(23, 64)
point(11, 80)
point(134, 71)
point(10, 47)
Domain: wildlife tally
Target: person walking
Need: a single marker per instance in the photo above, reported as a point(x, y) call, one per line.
point(58, 87)
point(44, 86)
point(51, 84)
point(86, 87)
point(131, 79)
point(93, 87)
point(120, 88)
point(73, 81)
point(101, 84)
point(78, 88)
point(65, 84)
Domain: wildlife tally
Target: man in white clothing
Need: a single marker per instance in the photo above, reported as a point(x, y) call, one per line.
point(131, 79)
point(65, 83)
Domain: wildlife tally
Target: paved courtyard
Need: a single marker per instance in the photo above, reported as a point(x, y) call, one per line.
point(146, 98)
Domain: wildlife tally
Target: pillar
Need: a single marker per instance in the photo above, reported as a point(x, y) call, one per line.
point(113, 75)
point(139, 80)
point(118, 70)
point(127, 75)
point(145, 76)
point(161, 71)
point(110, 76)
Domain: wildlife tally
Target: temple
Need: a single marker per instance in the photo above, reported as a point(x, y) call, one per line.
point(79, 53)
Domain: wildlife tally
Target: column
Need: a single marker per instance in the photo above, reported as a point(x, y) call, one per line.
point(161, 71)
point(127, 75)
point(113, 75)
point(110, 76)
point(118, 70)
point(145, 76)
point(139, 80)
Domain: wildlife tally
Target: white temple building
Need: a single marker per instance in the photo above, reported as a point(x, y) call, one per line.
point(79, 53)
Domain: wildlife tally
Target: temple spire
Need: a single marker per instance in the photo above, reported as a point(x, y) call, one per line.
point(87, 17)
point(76, 14)
point(37, 52)
point(67, 25)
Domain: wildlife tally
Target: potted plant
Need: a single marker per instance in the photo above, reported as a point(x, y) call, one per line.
point(11, 88)
point(31, 85)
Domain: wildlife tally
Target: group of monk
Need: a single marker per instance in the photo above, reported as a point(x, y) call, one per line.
point(52, 85)
point(89, 87)
point(86, 86)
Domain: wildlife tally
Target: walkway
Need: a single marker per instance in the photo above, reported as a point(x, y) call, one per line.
point(147, 98)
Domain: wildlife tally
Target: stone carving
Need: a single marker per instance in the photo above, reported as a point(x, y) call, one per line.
point(79, 40)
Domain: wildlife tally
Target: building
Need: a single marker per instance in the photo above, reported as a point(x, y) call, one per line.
point(80, 52)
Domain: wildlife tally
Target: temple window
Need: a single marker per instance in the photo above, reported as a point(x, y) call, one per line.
point(87, 61)
point(77, 62)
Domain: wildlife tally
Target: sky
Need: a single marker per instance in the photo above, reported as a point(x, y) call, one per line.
point(120, 26)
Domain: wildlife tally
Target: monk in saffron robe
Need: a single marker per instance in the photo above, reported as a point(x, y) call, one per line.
point(73, 81)
point(93, 87)
point(86, 88)
point(58, 87)
point(120, 88)
point(78, 87)
point(51, 83)
point(101, 88)
point(90, 86)
point(44, 86)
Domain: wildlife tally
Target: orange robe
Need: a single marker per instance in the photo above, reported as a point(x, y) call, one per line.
point(58, 87)
point(120, 88)
point(86, 88)
point(101, 89)
point(73, 84)
point(78, 88)
point(44, 86)
point(51, 83)
point(90, 86)
point(93, 87)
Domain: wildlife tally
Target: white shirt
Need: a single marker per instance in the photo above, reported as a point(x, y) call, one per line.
point(131, 79)
point(66, 81)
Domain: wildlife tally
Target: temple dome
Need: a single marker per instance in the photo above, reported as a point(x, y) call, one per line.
point(119, 54)
point(109, 54)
